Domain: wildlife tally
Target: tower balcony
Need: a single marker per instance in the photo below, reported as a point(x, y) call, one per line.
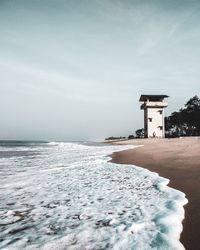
point(149, 104)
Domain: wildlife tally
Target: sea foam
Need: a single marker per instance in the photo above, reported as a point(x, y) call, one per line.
point(69, 196)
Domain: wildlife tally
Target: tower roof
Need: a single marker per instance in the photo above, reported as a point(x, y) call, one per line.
point(153, 98)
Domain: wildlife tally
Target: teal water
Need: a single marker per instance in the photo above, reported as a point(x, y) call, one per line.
point(69, 196)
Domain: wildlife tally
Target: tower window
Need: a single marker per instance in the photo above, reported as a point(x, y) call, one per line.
point(160, 111)
point(150, 119)
point(161, 127)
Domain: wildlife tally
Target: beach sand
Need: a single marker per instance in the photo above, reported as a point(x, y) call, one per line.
point(178, 160)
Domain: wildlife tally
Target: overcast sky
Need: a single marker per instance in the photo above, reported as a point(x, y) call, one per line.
point(74, 70)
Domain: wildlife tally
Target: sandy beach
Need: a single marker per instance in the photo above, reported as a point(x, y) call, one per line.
point(178, 160)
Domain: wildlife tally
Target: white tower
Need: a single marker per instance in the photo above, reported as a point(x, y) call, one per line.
point(153, 106)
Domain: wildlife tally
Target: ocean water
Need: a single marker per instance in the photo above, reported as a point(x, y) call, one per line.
point(69, 196)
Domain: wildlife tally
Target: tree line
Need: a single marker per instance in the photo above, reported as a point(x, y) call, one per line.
point(186, 121)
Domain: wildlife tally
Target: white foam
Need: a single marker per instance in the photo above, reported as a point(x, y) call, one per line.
point(71, 197)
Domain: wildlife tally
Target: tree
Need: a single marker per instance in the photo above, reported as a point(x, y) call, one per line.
point(185, 122)
point(131, 137)
point(192, 114)
point(139, 133)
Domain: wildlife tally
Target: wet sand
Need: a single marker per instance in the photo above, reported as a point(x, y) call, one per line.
point(178, 160)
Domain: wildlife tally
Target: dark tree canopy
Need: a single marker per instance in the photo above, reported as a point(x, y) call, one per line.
point(185, 122)
point(139, 133)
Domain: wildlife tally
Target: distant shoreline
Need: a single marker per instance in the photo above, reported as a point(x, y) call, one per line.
point(178, 160)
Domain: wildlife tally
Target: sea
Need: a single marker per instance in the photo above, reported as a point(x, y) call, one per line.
point(68, 195)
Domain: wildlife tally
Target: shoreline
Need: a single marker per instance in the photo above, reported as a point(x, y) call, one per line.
point(177, 160)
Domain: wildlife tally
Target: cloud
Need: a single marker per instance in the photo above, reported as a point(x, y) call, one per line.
point(90, 60)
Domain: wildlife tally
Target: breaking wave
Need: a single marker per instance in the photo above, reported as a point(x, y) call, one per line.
point(69, 196)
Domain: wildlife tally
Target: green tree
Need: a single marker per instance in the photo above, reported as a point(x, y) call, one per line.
point(139, 133)
point(185, 122)
point(192, 114)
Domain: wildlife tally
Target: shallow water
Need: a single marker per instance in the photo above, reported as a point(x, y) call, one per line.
point(68, 196)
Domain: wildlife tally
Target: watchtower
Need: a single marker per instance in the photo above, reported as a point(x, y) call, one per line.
point(153, 106)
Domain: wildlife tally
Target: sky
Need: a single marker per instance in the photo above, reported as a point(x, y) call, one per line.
point(75, 69)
